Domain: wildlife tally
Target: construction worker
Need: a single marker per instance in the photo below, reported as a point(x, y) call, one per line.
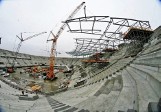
point(22, 92)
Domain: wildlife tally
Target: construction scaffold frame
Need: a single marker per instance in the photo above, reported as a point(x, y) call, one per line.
point(116, 31)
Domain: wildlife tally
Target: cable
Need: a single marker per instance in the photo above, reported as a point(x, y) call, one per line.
point(14, 44)
point(90, 12)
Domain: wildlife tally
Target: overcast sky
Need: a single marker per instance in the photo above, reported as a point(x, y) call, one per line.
point(37, 16)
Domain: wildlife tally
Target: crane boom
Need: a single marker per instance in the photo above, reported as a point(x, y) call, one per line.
point(34, 36)
point(69, 17)
point(19, 45)
point(51, 74)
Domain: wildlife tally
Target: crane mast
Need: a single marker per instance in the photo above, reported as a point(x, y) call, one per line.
point(51, 74)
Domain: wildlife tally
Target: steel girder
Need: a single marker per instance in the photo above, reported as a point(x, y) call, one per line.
point(110, 36)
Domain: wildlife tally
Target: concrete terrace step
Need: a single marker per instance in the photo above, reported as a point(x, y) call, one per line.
point(151, 61)
point(145, 92)
point(147, 67)
point(104, 74)
point(41, 105)
point(152, 79)
point(73, 97)
point(60, 107)
point(71, 109)
point(154, 54)
point(151, 48)
point(8, 95)
point(57, 106)
point(152, 71)
point(127, 97)
point(82, 110)
point(102, 103)
point(154, 45)
point(114, 84)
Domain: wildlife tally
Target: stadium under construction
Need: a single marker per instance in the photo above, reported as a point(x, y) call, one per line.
point(118, 71)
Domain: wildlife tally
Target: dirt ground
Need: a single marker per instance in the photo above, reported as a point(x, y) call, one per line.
point(27, 81)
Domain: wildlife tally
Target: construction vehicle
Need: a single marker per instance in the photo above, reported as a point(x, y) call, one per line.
point(11, 69)
point(36, 88)
point(51, 74)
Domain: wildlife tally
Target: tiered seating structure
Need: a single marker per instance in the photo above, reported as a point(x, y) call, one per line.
point(130, 83)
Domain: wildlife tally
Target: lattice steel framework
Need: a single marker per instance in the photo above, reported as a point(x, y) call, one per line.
point(110, 35)
point(83, 46)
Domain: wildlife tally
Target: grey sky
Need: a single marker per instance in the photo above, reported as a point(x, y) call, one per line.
point(36, 16)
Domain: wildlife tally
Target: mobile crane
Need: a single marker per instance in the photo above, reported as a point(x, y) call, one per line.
point(11, 69)
point(51, 75)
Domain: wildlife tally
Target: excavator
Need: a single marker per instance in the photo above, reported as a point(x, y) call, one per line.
point(51, 75)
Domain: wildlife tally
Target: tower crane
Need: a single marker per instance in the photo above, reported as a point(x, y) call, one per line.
point(51, 74)
point(19, 45)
